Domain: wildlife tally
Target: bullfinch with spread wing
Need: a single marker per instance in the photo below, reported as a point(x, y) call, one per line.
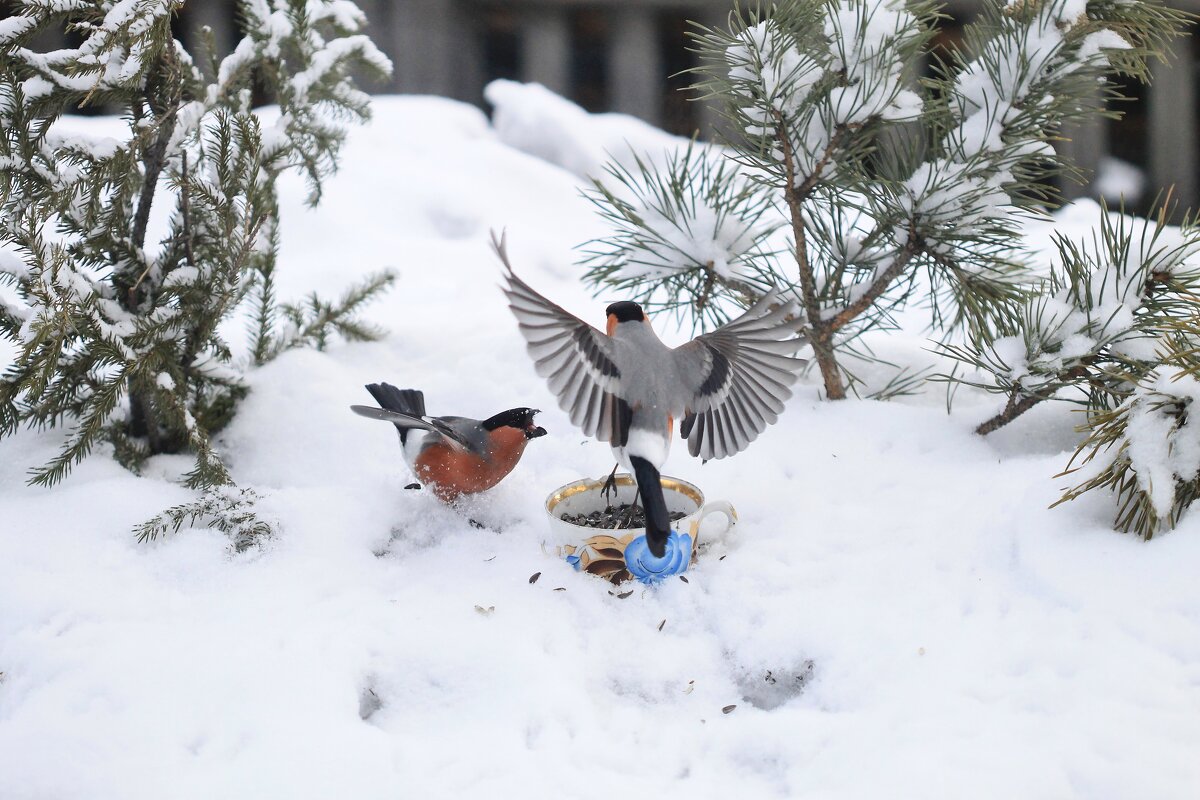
point(453, 455)
point(626, 387)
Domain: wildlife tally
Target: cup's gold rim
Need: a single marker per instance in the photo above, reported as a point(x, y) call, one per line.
point(689, 490)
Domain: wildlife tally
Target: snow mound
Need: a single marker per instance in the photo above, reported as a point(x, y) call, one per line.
point(530, 118)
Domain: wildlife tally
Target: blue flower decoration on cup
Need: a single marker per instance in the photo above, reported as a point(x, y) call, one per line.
point(642, 564)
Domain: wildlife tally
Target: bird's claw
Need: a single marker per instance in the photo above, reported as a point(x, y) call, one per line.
point(610, 486)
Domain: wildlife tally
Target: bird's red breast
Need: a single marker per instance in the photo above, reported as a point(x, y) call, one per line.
point(452, 472)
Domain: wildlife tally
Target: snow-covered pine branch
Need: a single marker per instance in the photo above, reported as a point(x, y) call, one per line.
point(1096, 323)
point(687, 234)
point(118, 335)
point(884, 176)
point(1147, 449)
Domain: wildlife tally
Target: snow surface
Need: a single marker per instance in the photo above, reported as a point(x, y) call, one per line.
point(964, 640)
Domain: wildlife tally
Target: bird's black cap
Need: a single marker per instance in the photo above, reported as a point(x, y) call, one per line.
point(626, 311)
point(519, 418)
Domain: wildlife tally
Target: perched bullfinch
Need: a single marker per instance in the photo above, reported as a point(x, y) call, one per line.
point(626, 387)
point(453, 455)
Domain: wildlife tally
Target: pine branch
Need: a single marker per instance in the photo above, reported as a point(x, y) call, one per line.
point(913, 245)
point(1017, 405)
point(688, 236)
point(820, 336)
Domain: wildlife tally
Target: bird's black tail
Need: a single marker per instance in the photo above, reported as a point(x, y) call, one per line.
point(658, 520)
point(406, 401)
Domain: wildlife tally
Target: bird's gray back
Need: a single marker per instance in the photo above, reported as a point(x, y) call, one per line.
point(650, 379)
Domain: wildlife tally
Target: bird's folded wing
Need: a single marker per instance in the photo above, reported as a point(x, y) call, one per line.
point(739, 377)
point(575, 359)
point(407, 421)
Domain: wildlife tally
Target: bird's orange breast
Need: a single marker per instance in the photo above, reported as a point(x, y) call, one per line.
point(451, 472)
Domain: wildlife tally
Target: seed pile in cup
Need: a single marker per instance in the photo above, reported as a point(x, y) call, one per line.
point(614, 517)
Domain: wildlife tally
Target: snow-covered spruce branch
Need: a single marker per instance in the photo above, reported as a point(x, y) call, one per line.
point(231, 510)
point(881, 176)
point(117, 336)
point(1097, 323)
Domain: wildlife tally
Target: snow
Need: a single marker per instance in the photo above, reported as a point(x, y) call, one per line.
point(707, 239)
point(333, 55)
point(1119, 181)
point(531, 118)
point(14, 27)
point(768, 59)
point(863, 46)
point(964, 639)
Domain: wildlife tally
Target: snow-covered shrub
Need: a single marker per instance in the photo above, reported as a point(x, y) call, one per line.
point(878, 173)
point(116, 336)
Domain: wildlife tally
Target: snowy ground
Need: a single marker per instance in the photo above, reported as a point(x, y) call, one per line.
point(965, 641)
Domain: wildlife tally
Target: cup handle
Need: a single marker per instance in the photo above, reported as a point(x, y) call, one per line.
point(715, 507)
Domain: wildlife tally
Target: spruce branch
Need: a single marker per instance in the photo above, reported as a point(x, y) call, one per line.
point(162, 99)
point(228, 509)
point(314, 321)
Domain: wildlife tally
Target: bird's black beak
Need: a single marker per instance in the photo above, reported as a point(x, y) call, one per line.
point(534, 431)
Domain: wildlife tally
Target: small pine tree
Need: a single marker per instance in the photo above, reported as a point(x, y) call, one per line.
point(879, 175)
point(117, 336)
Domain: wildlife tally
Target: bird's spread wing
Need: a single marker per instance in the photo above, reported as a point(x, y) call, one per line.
point(574, 358)
point(739, 377)
point(407, 421)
